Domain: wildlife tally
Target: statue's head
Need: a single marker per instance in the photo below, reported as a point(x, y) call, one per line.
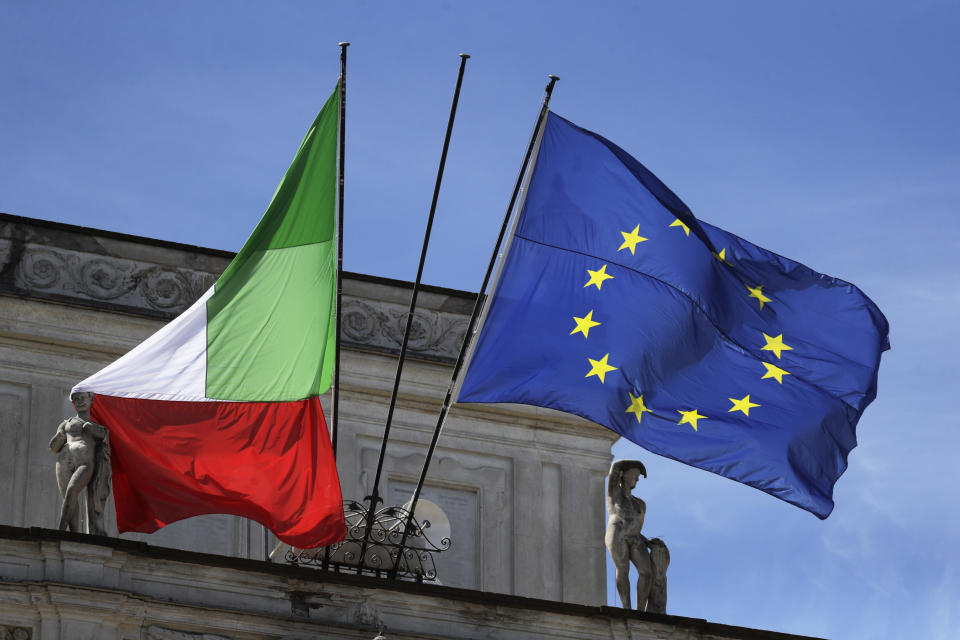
point(632, 472)
point(82, 400)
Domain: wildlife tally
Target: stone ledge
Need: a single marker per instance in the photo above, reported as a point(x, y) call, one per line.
point(309, 583)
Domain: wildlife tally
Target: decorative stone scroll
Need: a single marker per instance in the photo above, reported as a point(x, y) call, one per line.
point(161, 290)
point(129, 283)
point(8, 632)
point(380, 326)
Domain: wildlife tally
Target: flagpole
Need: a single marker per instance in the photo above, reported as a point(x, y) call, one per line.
point(374, 497)
point(339, 313)
point(477, 306)
point(342, 129)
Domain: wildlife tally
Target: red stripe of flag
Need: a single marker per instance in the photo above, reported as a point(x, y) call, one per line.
point(268, 461)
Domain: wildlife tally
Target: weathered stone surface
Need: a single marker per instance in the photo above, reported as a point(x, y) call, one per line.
point(8, 632)
point(47, 590)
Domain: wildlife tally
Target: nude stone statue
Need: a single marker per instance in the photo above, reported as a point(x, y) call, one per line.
point(628, 545)
point(83, 462)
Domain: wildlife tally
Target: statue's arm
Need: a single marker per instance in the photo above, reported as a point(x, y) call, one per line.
point(58, 439)
point(613, 485)
point(96, 430)
point(618, 466)
point(615, 479)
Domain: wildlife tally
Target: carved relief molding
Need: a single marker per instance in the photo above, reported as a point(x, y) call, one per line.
point(154, 632)
point(378, 325)
point(121, 282)
point(161, 290)
point(15, 633)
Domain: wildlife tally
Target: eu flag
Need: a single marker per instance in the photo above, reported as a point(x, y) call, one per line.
point(614, 303)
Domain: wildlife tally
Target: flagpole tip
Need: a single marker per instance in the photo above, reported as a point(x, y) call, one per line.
point(553, 77)
point(343, 44)
point(464, 55)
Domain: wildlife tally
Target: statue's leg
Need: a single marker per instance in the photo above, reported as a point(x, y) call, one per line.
point(641, 560)
point(63, 477)
point(623, 581)
point(63, 480)
point(621, 564)
point(95, 524)
point(70, 512)
point(620, 554)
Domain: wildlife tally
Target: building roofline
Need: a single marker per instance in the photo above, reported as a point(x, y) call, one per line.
point(219, 253)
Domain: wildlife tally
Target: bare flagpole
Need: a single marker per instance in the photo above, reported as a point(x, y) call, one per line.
point(477, 306)
point(374, 498)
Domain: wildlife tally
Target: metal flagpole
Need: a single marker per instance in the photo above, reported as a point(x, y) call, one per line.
point(374, 498)
point(477, 306)
point(341, 125)
point(339, 314)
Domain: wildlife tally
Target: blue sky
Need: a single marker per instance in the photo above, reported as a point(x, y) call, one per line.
point(827, 132)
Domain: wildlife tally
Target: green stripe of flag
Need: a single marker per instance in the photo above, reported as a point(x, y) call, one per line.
point(270, 321)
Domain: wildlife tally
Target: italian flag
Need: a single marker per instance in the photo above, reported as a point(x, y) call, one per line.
point(218, 412)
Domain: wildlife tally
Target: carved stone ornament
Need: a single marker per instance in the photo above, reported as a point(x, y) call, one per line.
point(137, 285)
point(433, 334)
point(15, 633)
point(162, 633)
point(123, 282)
point(6, 251)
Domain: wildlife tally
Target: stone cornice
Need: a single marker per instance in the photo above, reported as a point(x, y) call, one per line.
point(140, 276)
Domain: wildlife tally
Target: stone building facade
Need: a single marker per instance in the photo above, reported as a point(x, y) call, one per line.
point(523, 486)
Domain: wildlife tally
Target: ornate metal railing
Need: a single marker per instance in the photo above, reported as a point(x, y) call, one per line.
point(382, 554)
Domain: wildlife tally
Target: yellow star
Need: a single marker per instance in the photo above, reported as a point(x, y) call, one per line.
point(743, 404)
point(584, 324)
point(679, 223)
point(774, 371)
point(630, 240)
point(757, 292)
point(690, 417)
point(597, 277)
point(599, 368)
point(722, 256)
point(775, 344)
point(636, 406)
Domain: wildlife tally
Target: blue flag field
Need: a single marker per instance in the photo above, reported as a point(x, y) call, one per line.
point(614, 303)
